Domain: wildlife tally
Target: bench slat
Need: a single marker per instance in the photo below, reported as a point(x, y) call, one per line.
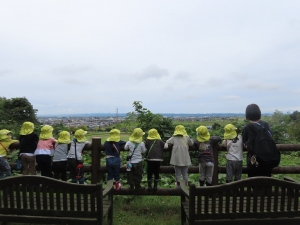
point(258, 197)
point(40, 200)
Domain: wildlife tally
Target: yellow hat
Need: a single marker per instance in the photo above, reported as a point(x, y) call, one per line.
point(230, 131)
point(3, 135)
point(185, 133)
point(153, 135)
point(114, 135)
point(80, 135)
point(46, 132)
point(137, 135)
point(179, 130)
point(202, 134)
point(64, 137)
point(27, 128)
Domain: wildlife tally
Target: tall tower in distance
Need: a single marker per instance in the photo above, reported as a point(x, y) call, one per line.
point(117, 115)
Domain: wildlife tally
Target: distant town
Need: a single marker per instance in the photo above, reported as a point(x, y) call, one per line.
point(93, 122)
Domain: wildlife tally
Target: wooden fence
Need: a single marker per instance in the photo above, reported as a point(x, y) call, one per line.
point(97, 169)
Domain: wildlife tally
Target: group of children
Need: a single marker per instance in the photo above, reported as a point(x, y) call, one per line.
point(53, 157)
point(153, 149)
point(68, 154)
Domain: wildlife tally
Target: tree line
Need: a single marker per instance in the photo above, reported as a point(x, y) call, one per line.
point(15, 111)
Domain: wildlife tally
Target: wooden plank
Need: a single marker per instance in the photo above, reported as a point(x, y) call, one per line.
point(21, 196)
point(58, 199)
point(38, 197)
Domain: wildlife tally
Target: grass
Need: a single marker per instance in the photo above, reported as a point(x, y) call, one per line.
point(144, 210)
point(147, 210)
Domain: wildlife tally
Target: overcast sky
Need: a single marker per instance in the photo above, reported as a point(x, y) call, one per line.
point(174, 56)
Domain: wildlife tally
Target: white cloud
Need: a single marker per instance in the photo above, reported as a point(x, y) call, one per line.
point(94, 56)
point(152, 71)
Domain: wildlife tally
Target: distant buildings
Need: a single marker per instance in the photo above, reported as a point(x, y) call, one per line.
point(90, 122)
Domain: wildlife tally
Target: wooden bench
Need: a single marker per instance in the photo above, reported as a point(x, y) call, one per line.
point(37, 199)
point(257, 200)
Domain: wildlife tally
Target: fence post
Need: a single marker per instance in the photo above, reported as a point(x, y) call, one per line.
point(215, 177)
point(96, 143)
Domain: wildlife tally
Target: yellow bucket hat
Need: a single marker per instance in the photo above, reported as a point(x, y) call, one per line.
point(114, 135)
point(153, 135)
point(137, 135)
point(179, 130)
point(3, 135)
point(202, 134)
point(230, 131)
point(185, 133)
point(80, 135)
point(27, 128)
point(46, 132)
point(64, 137)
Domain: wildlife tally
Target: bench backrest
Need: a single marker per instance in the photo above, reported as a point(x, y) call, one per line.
point(257, 197)
point(42, 196)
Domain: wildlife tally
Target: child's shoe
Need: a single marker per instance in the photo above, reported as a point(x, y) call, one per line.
point(155, 185)
point(118, 185)
point(177, 184)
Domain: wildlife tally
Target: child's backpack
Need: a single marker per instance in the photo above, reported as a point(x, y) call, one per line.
point(79, 171)
point(264, 148)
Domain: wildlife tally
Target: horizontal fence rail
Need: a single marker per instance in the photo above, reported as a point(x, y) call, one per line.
point(97, 169)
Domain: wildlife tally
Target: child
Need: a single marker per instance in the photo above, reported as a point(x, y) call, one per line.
point(5, 142)
point(112, 147)
point(205, 156)
point(234, 156)
point(75, 155)
point(136, 148)
point(59, 161)
point(154, 156)
point(28, 144)
point(180, 157)
point(44, 151)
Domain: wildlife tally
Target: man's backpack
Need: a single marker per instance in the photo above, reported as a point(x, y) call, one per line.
point(264, 148)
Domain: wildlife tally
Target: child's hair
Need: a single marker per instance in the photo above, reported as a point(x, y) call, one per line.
point(253, 112)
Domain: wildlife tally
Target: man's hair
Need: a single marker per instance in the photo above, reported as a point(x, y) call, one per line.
point(253, 112)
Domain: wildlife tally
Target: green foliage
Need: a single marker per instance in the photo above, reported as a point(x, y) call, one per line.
point(18, 110)
point(15, 111)
point(295, 115)
point(294, 131)
point(57, 128)
point(147, 120)
point(216, 126)
point(130, 122)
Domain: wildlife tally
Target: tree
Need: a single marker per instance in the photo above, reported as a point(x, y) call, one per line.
point(295, 115)
point(15, 111)
point(148, 120)
point(19, 110)
point(131, 121)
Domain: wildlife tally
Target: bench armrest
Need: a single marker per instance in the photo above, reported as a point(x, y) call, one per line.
point(184, 189)
point(291, 179)
point(109, 188)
